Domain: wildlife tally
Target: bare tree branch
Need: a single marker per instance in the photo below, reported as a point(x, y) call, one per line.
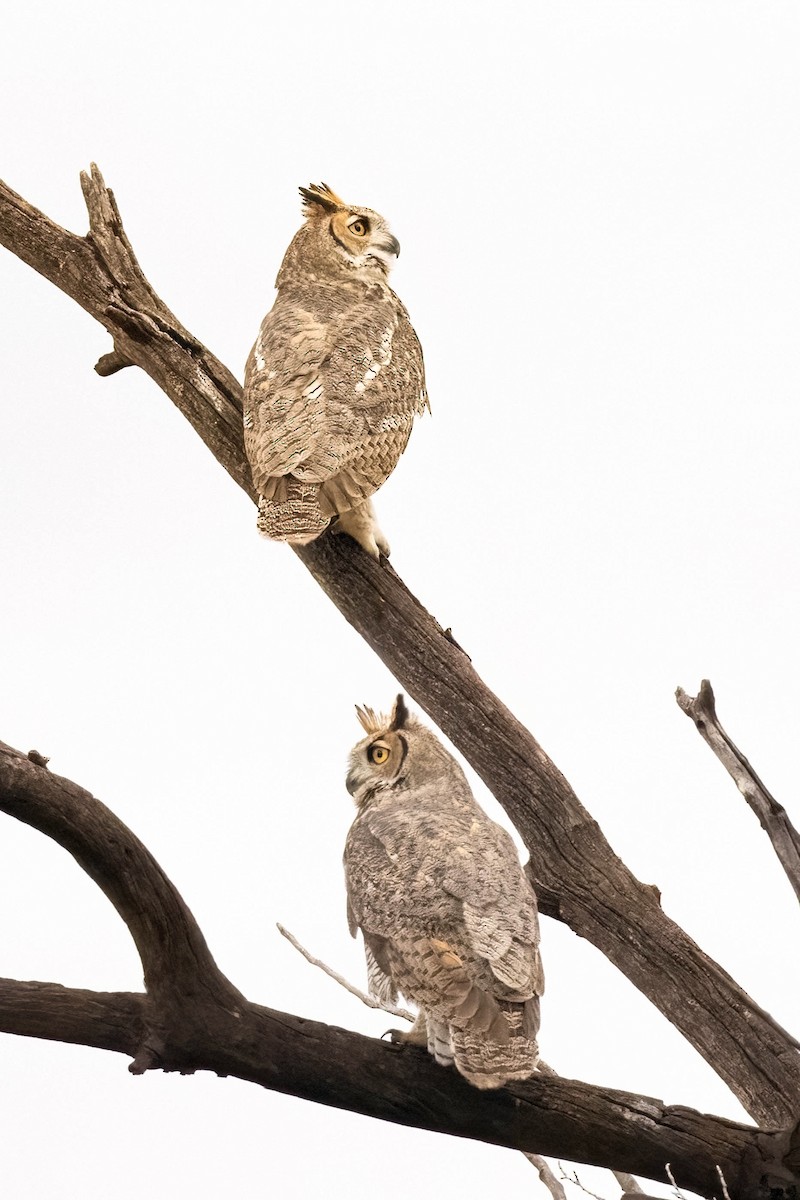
point(545, 1173)
point(627, 1182)
point(104, 1020)
point(724, 1185)
point(772, 815)
point(370, 1001)
point(573, 1179)
point(194, 1019)
point(547, 1177)
point(173, 951)
point(332, 1066)
point(101, 274)
point(629, 1185)
point(578, 877)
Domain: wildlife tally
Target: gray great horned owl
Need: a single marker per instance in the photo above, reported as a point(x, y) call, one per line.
point(447, 915)
point(334, 380)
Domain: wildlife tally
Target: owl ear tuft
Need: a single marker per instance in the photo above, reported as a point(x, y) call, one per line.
point(399, 713)
point(368, 720)
point(319, 195)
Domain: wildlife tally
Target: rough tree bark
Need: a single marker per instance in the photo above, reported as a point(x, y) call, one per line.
point(193, 1018)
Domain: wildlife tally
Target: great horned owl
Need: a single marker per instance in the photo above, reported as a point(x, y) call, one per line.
point(447, 915)
point(334, 380)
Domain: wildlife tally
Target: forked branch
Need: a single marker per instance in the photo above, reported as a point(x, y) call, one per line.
point(193, 1019)
point(577, 875)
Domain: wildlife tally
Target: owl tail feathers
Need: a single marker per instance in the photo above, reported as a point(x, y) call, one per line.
point(488, 1061)
point(291, 513)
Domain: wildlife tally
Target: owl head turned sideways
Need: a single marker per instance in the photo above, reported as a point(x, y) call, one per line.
point(339, 240)
point(399, 752)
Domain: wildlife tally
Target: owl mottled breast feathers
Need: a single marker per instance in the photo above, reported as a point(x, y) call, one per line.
point(447, 914)
point(334, 379)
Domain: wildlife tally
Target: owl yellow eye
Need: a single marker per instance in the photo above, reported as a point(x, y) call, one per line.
point(378, 754)
point(359, 227)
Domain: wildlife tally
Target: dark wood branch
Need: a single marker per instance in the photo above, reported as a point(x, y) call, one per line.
point(773, 816)
point(579, 878)
point(193, 1019)
point(175, 957)
point(558, 1117)
point(103, 1020)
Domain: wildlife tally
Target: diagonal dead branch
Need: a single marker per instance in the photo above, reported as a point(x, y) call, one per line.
point(370, 1001)
point(723, 1184)
point(629, 1185)
point(547, 1176)
point(773, 816)
point(101, 274)
point(576, 873)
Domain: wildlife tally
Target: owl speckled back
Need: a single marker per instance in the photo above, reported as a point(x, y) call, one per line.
point(447, 915)
point(334, 379)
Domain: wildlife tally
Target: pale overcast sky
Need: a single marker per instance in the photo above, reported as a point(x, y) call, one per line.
point(598, 208)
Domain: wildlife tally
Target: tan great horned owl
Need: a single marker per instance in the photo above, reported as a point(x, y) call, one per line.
point(447, 915)
point(334, 380)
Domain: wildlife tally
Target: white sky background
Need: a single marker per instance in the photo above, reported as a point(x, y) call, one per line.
point(598, 207)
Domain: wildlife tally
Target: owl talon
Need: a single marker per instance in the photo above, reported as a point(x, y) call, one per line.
point(417, 1035)
point(403, 1037)
point(359, 523)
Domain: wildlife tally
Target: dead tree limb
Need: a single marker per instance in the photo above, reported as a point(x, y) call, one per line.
point(193, 1019)
point(773, 816)
point(101, 274)
point(577, 875)
point(547, 1177)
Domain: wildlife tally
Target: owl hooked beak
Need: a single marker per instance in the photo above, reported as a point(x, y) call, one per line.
point(387, 249)
point(391, 245)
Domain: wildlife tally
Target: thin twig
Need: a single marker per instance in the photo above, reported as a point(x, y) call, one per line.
point(678, 1193)
point(573, 1178)
point(370, 1001)
point(725, 1193)
point(772, 815)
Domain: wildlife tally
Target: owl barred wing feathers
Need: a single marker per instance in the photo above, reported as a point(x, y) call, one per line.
point(380, 983)
point(284, 401)
point(445, 910)
point(334, 380)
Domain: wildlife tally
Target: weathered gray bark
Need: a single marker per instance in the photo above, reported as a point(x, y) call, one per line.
point(578, 877)
point(773, 816)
